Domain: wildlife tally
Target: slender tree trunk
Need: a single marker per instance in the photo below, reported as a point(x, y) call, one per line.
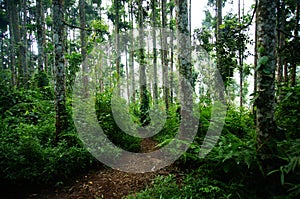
point(171, 57)
point(60, 81)
point(266, 34)
point(154, 24)
point(296, 31)
point(220, 66)
point(3, 62)
point(16, 40)
point(280, 39)
point(132, 71)
point(117, 24)
point(23, 44)
point(144, 106)
point(184, 59)
point(240, 58)
point(190, 18)
point(164, 55)
point(127, 75)
point(83, 46)
point(12, 51)
point(255, 72)
point(40, 34)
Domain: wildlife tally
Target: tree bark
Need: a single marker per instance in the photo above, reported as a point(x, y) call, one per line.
point(59, 68)
point(220, 66)
point(12, 52)
point(280, 39)
point(296, 31)
point(154, 24)
point(171, 56)
point(266, 34)
point(164, 55)
point(117, 40)
point(23, 44)
point(255, 72)
point(83, 46)
point(184, 59)
point(17, 44)
point(40, 34)
point(144, 106)
point(131, 57)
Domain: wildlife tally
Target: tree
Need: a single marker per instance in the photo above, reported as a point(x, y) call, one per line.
point(83, 45)
point(59, 68)
point(17, 44)
point(144, 106)
point(241, 59)
point(23, 44)
point(117, 30)
point(154, 24)
point(164, 54)
point(184, 61)
point(172, 53)
point(281, 20)
point(265, 102)
point(40, 34)
point(131, 56)
point(220, 66)
point(296, 43)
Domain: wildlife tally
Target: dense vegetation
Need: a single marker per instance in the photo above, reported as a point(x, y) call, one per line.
point(45, 45)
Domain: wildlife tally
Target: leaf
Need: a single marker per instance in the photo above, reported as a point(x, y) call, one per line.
point(262, 61)
point(266, 71)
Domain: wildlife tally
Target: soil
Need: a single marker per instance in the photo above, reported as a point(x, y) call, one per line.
point(106, 183)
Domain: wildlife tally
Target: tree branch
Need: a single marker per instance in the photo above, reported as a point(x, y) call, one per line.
point(78, 27)
point(250, 22)
point(287, 34)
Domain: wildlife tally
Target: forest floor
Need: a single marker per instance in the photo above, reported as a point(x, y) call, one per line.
point(106, 183)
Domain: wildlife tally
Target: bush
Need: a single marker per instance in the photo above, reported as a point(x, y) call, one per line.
point(109, 125)
point(288, 111)
point(191, 186)
point(28, 154)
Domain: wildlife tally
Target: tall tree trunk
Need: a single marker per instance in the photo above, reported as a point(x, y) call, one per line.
point(171, 56)
point(15, 30)
point(241, 59)
point(255, 72)
point(296, 31)
point(154, 24)
point(117, 40)
point(220, 66)
point(184, 59)
point(83, 46)
point(144, 106)
point(60, 81)
point(265, 102)
point(164, 55)
point(3, 62)
point(127, 75)
point(40, 34)
point(23, 43)
point(131, 57)
point(12, 51)
point(280, 39)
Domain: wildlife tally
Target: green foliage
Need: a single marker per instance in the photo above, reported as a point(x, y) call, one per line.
point(191, 186)
point(226, 169)
point(27, 150)
point(288, 111)
point(110, 127)
point(74, 60)
point(171, 125)
point(290, 170)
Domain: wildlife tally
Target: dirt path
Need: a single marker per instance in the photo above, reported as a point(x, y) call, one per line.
point(106, 183)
